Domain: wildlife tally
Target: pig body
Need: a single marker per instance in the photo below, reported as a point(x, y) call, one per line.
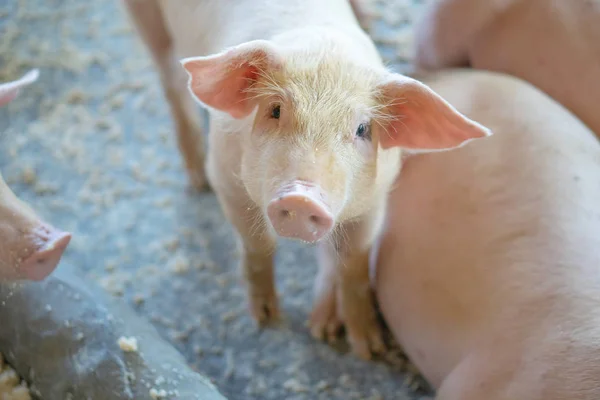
point(488, 267)
point(552, 44)
point(306, 128)
point(30, 249)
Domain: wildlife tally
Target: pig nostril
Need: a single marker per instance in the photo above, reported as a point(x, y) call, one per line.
point(285, 213)
point(314, 219)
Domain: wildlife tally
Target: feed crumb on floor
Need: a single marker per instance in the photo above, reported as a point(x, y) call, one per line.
point(128, 344)
point(11, 386)
point(158, 394)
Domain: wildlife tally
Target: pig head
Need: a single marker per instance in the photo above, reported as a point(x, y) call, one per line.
point(30, 249)
point(325, 134)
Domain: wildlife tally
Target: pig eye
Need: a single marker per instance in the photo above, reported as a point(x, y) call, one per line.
point(276, 111)
point(363, 131)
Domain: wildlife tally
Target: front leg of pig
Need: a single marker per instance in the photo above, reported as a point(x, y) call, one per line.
point(343, 293)
point(257, 247)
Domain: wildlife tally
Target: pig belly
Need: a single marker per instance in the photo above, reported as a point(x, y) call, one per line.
point(491, 247)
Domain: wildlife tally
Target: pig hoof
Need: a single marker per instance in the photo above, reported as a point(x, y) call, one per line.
point(264, 309)
point(325, 323)
point(328, 332)
point(368, 342)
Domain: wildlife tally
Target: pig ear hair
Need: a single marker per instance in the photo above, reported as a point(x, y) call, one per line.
point(10, 90)
point(417, 118)
point(222, 80)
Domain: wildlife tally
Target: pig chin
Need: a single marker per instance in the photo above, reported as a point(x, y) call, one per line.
point(301, 210)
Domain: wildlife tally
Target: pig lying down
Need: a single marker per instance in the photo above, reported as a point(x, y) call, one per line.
point(307, 127)
point(30, 249)
point(555, 45)
point(489, 270)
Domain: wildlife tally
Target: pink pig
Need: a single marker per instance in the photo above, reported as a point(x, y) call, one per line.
point(555, 45)
point(30, 249)
point(488, 272)
point(306, 132)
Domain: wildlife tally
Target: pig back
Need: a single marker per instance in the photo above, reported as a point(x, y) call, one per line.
point(203, 27)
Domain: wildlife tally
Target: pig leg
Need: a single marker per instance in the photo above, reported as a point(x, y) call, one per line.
point(326, 318)
point(442, 35)
point(359, 7)
point(147, 17)
point(343, 288)
point(257, 247)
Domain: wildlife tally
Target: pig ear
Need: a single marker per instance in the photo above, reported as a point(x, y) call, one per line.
point(221, 80)
point(10, 90)
point(417, 118)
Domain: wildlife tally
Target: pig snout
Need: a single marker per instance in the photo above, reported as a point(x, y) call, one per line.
point(299, 212)
point(49, 246)
point(30, 249)
point(33, 254)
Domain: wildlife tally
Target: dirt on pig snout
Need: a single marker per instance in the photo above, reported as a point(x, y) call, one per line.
point(90, 146)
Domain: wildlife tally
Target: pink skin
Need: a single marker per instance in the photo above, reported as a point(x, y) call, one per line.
point(551, 44)
point(299, 212)
point(488, 266)
point(30, 249)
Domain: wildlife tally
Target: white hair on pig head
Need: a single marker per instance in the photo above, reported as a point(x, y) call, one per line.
point(326, 130)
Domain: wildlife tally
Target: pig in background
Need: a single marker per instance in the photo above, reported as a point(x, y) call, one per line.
point(554, 45)
point(30, 249)
point(306, 130)
point(507, 305)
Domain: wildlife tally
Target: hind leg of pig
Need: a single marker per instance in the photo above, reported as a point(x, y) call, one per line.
point(345, 294)
point(362, 12)
point(148, 20)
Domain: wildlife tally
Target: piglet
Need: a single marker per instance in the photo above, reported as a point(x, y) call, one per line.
point(306, 132)
point(30, 249)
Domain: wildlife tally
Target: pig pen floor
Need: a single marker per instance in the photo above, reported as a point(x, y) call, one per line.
point(90, 147)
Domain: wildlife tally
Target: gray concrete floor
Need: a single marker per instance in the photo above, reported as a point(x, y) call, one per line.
point(90, 147)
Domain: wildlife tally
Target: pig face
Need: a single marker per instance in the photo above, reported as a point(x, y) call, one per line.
point(324, 132)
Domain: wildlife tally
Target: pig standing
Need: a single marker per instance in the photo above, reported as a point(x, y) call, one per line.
point(555, 45)
point(305, 138)
point(30, 249)
point(488, 271)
